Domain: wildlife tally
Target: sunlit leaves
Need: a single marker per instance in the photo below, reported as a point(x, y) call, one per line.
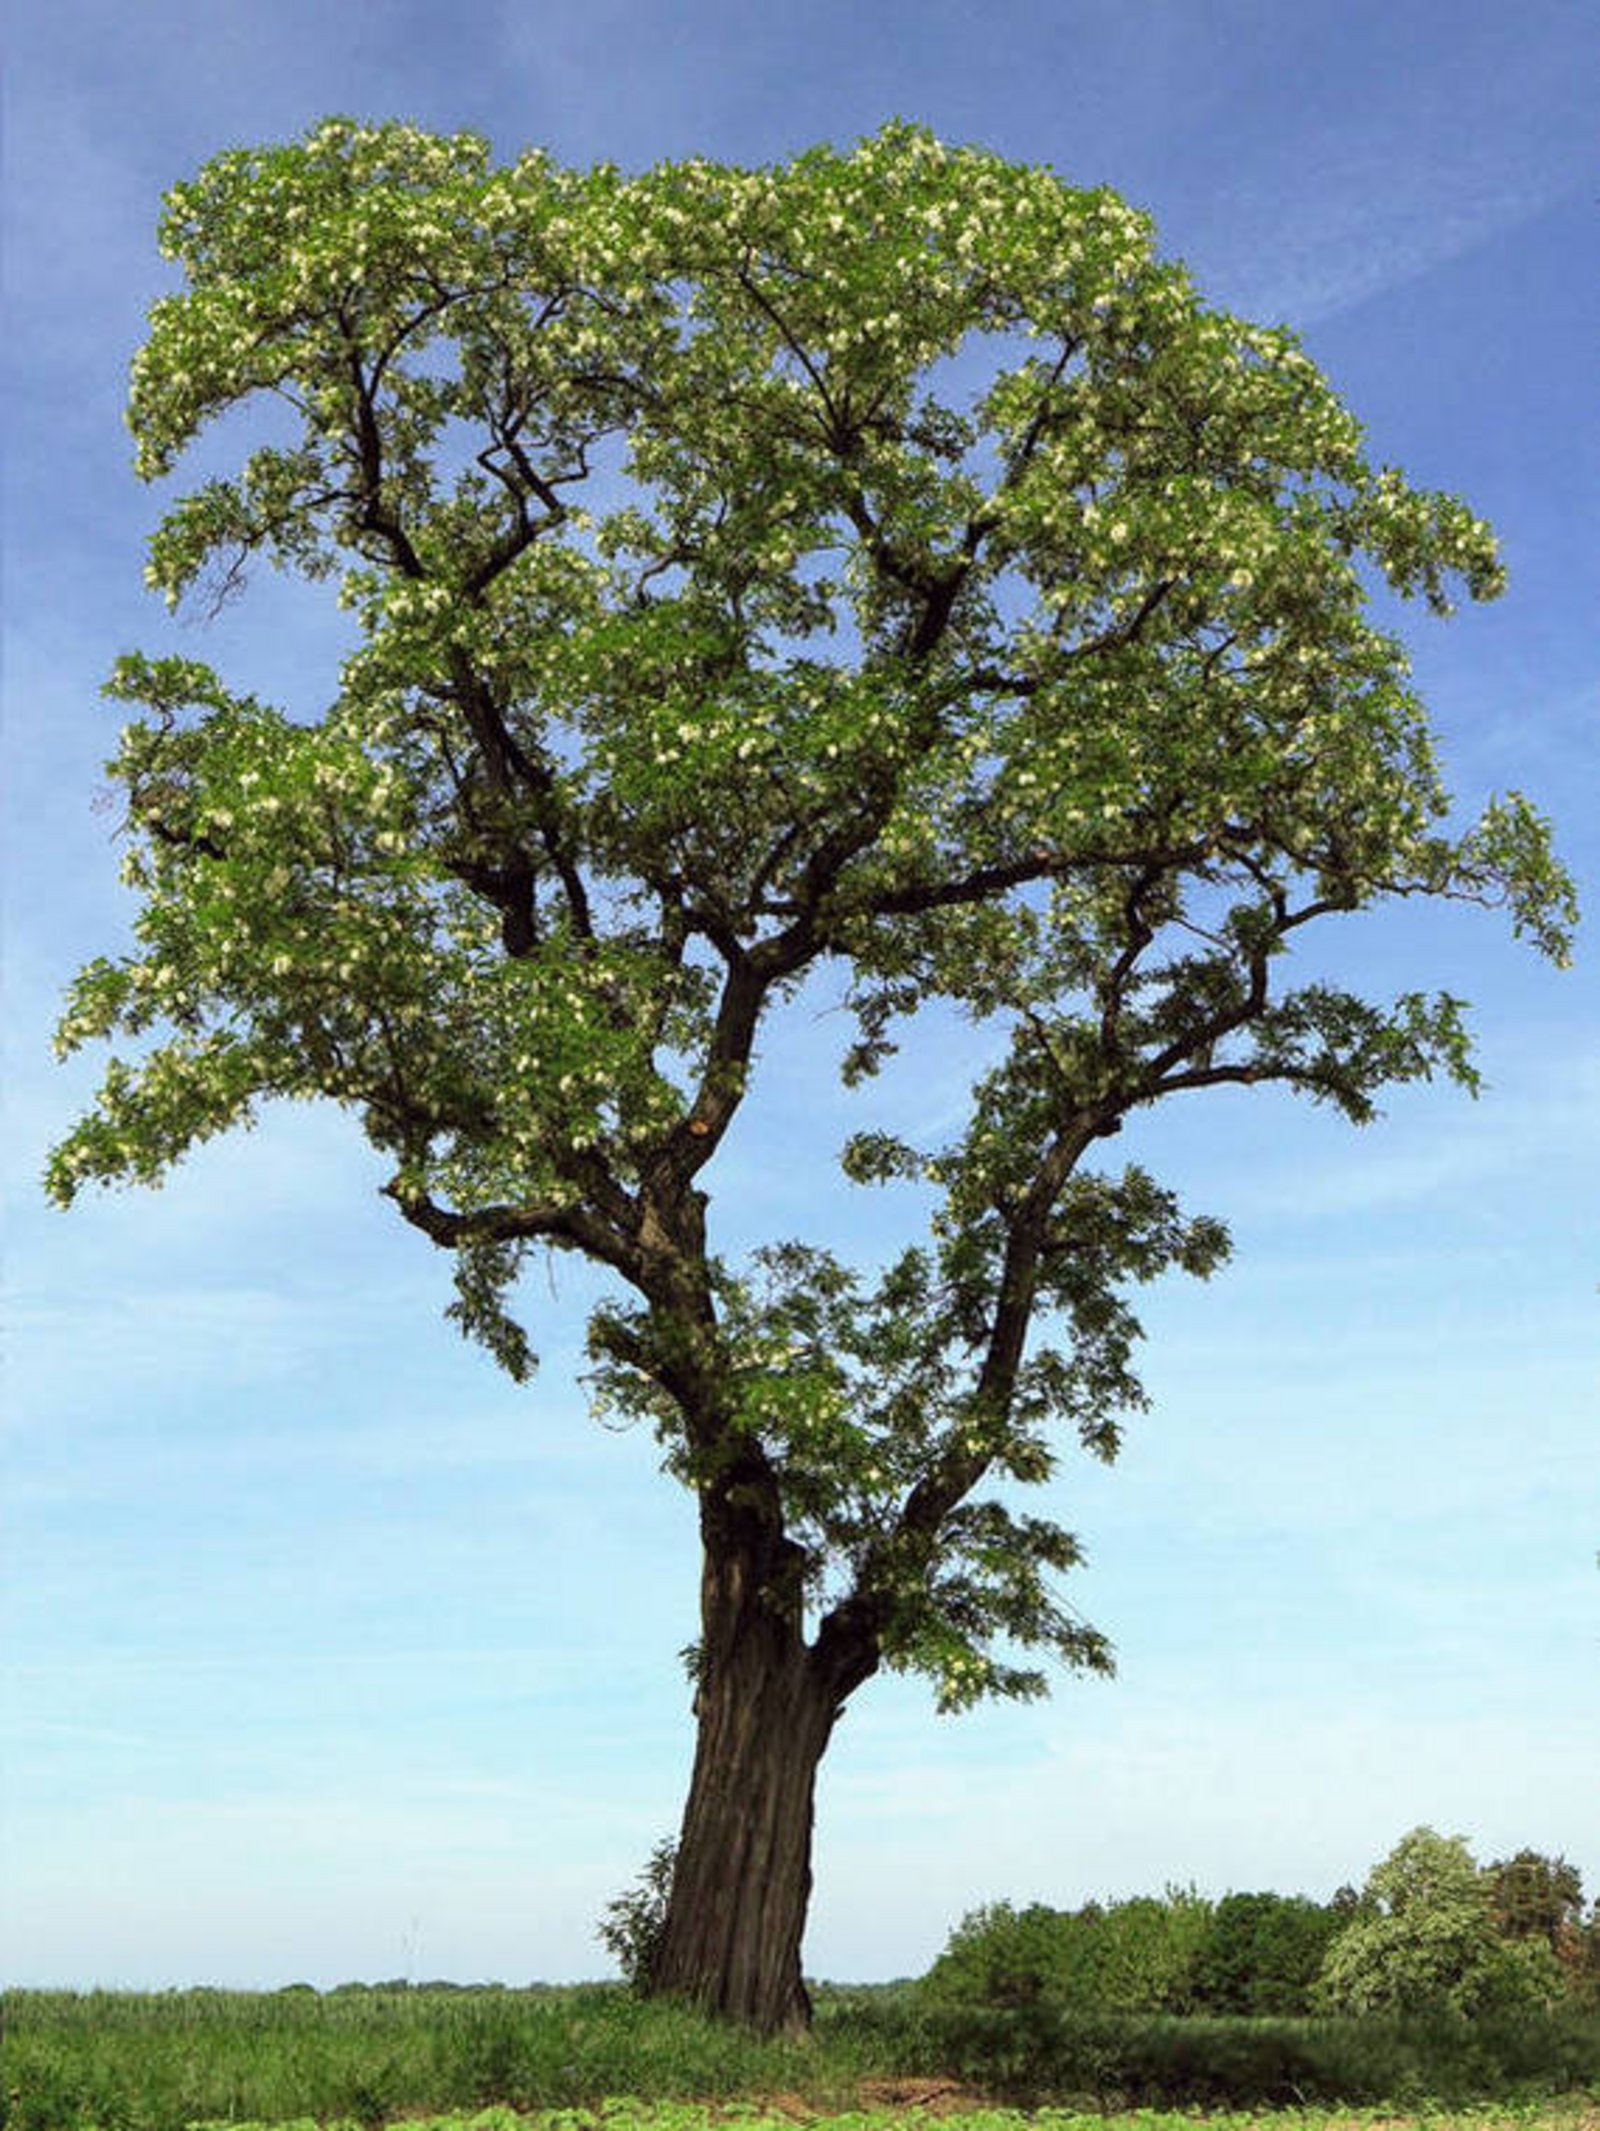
point(881, 559)
point(1424, 1941)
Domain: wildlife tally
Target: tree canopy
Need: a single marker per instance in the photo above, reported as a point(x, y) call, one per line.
point(1425, 1940)
point(1432, 1933)
point(882, 563)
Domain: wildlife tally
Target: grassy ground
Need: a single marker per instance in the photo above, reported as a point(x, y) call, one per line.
point(363, 2059)
point(642, 2116)
point(105, 2061)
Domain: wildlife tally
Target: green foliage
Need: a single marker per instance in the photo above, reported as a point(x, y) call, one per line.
point(633, 2115)
point(180, 2060)
point(1044, 2052)
point(1425, 1942)
point(1579, 1954)
point(633, 1923)
point(1534, 1896)
point(1152, 1949)
point(1139, 1956)
point(123, 2062)
point(1001, 1956)
point(1263, 1953)
point(705, 643)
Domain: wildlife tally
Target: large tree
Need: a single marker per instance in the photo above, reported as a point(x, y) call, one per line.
point(882, 565)
point(1425, 1940)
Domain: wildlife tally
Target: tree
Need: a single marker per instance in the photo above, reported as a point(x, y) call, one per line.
point(1534, 1896)
point(1001, 1955)
point(1425, 1941)
point(1140, 1955)
point(1579, 1955)
point(710, 643)
point(1263, 1953)
point(1537, 1900)
point(1150, 1950)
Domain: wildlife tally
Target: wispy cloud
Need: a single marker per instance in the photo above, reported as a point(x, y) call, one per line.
point(1393, 154)
point(1542, 1111)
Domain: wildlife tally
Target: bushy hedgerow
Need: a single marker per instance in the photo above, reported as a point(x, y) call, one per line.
point(1139, 1956)
point(1431, 1933)
point(1249, 1953)
point(1043, 2053)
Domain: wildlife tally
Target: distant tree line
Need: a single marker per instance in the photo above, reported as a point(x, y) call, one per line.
point(1430, 1931)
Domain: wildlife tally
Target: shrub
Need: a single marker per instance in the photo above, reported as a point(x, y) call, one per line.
point(1135, 1956)
point(1001, 1956)
point(631, 1927)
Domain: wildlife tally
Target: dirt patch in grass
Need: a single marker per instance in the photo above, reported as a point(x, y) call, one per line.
point(905, 2096)
point(931, 2097)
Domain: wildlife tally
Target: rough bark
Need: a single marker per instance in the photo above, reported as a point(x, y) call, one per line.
point(742, 1883)
point(766, 1709)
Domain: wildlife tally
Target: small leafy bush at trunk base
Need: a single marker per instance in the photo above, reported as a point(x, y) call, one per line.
point(632, 1926)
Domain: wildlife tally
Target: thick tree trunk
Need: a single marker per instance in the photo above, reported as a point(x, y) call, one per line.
point(742, 1882)
point(766, 1708)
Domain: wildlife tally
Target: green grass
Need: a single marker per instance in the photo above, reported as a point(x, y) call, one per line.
point(126, 2062)
point(369, 2058)
point(645, 2116)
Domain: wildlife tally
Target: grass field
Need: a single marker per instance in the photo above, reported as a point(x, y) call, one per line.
point(444, 2060)
point(657, 2117)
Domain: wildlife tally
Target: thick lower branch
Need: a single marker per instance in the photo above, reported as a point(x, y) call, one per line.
point(573, 1226)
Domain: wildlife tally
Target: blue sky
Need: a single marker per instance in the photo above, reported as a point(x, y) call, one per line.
point(331, 1654)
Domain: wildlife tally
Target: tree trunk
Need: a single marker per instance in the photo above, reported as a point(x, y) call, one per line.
point(766, 1708)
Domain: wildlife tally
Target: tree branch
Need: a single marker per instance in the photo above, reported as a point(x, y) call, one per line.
point(572, 1227)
